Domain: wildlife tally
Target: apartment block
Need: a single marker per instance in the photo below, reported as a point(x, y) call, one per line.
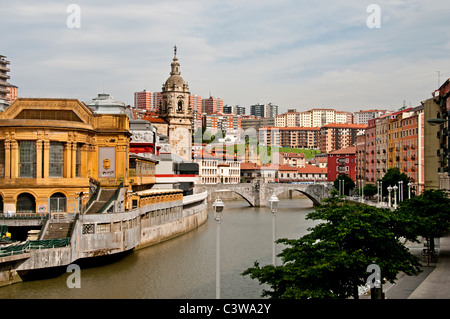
point(143, 100)
point(336, 136)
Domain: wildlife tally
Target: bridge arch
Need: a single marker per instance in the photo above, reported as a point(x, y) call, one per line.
point(314, 200)
point(249, 201)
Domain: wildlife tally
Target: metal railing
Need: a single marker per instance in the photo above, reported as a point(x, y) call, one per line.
point(18, 249)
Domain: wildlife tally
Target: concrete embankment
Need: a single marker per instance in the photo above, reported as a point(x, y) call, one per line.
point(99, 235)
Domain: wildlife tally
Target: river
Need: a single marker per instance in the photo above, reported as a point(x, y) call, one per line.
point(184, 267)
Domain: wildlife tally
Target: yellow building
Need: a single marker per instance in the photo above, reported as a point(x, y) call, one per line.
point(52, 151)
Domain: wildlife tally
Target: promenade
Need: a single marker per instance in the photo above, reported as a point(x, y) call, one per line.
point(432, 283)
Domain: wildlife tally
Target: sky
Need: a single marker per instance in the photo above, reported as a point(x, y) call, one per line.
point(299, 54)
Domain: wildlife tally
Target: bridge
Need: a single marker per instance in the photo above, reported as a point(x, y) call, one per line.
point(257, 194)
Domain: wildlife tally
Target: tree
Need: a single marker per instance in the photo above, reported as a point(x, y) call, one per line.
point(349, 184)
point(331, 261)
point(392, 177)
point(370, 190)
point(431, 213)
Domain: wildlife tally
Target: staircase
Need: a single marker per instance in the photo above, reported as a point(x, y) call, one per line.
point(57, 230)
point(103, 198)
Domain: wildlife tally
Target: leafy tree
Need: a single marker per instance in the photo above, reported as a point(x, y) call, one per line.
point(392, 177)
point(349, 184)
point(431, 211)
point(370, 190)
point(331, 261)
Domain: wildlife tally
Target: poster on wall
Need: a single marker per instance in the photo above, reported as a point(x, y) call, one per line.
point(106, 162)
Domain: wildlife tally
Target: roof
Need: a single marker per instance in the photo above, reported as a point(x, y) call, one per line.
point(347, 150)
point(312, 169)
point(345, 125)
point(249, 166)
point(287, 168)
point(153, 119)
point(291, 128)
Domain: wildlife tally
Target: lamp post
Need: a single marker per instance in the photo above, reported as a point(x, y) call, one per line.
point(395, 196)
point(362, 191)
point(273, 209)
point(381, 191)
point(218, 208)
point(389, 190)
point(409, 190)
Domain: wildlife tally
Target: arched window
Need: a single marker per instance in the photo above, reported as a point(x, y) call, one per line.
point(180, 106)
point(26, 203)
point(58, 203)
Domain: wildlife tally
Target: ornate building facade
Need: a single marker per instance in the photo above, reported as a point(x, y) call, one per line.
point(52, 151)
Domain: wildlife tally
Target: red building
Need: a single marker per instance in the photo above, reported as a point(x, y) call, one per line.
point(212, 105)
point(342, 162)
point(143, 100)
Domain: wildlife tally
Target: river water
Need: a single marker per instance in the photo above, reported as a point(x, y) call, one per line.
point(185, 267)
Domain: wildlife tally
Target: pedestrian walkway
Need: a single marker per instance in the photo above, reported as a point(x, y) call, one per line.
point(437, 284)
point(432, 283)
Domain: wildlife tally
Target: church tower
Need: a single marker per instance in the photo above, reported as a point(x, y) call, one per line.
point(176, 110)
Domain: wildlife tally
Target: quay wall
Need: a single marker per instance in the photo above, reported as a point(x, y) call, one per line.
point(106, 234)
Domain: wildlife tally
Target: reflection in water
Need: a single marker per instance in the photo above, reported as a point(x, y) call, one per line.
point(184, 267)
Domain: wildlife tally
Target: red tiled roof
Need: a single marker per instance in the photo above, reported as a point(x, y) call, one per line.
point(342, 125)
point(311, 169)
point(249, 166)
point(153, 119)
point(347, 150)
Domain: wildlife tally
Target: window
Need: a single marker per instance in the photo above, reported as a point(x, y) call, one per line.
point(26, 203)
point(58, 203)
point(88, 229)
point(27, 159)
point(56, 160)
point(103, 228)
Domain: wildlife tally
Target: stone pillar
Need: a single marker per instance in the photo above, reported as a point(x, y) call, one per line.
point(84, 160)
point(14, 159)
point(68, 160)
point(39, 159)
point(7, 159)
point(74, 160)
point(46, 158)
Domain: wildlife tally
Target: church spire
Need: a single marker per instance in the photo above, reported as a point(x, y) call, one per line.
point(175, 65)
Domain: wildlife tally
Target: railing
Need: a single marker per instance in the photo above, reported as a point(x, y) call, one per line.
point(92, 198)
point(194, 198)
point(113, 198)
point(34, 244)
point(14, 215)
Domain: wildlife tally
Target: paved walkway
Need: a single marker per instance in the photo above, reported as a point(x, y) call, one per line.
point(432, 283)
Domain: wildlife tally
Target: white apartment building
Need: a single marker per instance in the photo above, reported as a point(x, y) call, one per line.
point(312, 118)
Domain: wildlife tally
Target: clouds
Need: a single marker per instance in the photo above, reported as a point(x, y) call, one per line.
point(299, 54)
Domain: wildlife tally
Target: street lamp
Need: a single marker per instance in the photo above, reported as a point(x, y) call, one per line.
point(362, 191)
point(273, 209)
point(218, 208)
point(381, 191)
point(409, 190)
point(395, 196)
point(389, 190)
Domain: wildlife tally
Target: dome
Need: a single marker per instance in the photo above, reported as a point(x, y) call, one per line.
point(105, 104)
point(174, 80)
